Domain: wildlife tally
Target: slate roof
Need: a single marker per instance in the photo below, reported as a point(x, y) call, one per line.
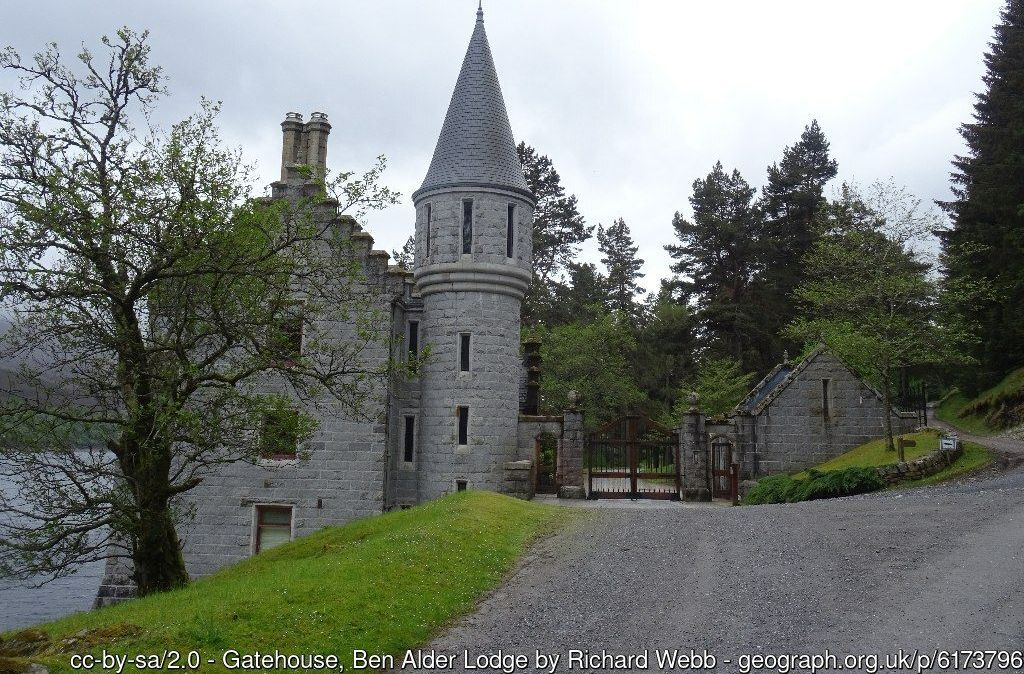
point(784, 374)
point(476, 147)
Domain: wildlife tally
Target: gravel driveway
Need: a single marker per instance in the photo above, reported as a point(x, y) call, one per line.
point(938, 567)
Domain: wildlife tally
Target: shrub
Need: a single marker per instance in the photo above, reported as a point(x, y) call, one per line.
point(818, 485)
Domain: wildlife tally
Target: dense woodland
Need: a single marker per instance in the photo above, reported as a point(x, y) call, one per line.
point(905, 291)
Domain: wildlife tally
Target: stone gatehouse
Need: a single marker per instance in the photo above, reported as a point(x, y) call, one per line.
point(798, 416)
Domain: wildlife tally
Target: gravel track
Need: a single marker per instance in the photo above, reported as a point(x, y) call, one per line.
point(935, 567)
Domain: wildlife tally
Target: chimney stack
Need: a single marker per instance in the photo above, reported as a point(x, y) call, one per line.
point(304, 145)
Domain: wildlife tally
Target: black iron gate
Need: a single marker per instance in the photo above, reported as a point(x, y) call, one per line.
point(633, 457)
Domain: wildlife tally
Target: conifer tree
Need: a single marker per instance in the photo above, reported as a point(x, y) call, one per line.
point(718, 256)
point(790, 200)
point(623, 266)
point(558, 230)
point(983, 253)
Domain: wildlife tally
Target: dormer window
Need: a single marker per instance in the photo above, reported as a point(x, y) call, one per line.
point(467, 226)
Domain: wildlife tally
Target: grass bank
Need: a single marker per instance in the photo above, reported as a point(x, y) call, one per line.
point(382, 584)
point(873, 455)
point(996, 409)
point(852, 472)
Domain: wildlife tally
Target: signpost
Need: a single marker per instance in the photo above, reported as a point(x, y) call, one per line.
point(949, 443)
point(901, 444)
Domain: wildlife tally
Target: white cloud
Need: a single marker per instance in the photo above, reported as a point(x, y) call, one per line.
point(632, 100)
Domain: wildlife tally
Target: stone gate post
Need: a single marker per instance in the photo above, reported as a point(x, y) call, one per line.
point(693, 454)
point(570, 454)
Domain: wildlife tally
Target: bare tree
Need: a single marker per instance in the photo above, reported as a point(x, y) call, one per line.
point(155, 306)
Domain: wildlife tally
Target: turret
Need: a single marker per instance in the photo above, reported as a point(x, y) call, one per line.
point(474, 216)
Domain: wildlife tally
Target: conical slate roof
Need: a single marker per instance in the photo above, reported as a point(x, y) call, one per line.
point(476, 146)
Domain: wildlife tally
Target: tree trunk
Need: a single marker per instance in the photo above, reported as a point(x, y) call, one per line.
point(890, 446)
point(159, 565)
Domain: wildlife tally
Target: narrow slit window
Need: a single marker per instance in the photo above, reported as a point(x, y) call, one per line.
point(463, 413)
point(510, 232)
point(273, 526)
point(410, 439)
point(464, 341)
point(414, 343)
point(467, 226)
point(826, 386)
point(426, 253)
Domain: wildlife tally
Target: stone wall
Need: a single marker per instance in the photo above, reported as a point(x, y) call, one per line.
point(794, 431)
point(342, 472)
point(929, 464)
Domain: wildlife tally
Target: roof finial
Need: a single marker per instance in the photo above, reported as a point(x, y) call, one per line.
point(480, 10)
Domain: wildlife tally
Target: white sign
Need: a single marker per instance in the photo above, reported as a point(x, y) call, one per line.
point(948, 444)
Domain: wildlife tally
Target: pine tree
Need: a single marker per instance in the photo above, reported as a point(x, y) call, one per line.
point(623, 266)
point(558, 230)
point(790, 200)
point(586, 288)
point(405, 258)
point(983, 253)
point(718, 257)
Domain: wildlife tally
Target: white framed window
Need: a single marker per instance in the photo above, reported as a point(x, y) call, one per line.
point(273, 525)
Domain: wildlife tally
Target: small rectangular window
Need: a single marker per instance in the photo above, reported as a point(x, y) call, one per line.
point(273, 526)
point(467, 226)
point(426, 252)
point(460, 485)
point(826, 385)
point(278, 439)
point(510, 232)
point(464, 352)
point(410, 439)
point(463, 425)
point(414, 343)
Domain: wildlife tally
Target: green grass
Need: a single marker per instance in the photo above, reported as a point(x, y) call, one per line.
point(874, 454)
point(383, 584)
point(991, 411)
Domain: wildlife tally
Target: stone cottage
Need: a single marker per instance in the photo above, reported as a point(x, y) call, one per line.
point(798, 416)
point(457, 423)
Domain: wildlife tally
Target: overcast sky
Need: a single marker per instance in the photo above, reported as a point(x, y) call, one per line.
point(632, 100)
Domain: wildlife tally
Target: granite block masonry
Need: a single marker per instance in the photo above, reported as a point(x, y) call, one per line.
point(454, 423)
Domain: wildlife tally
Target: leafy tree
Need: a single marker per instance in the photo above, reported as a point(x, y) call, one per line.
point(790, 200)
point(623, 266)
point(719, 257)
point(868, 293)
point(983, 253)
point(558, 230)
point(406, 257)
point(591, 357)
point(666, 343)
point(159, 304)
point(720, 385)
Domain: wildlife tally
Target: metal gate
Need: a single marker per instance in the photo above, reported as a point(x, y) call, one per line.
point(633, 457)
point(546, 457)
point(721, 473)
